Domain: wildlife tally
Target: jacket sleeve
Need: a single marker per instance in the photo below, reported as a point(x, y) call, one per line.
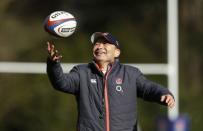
point(66, 82)
point(149, 90)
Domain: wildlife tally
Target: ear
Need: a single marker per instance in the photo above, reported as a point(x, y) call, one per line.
point(117, 53)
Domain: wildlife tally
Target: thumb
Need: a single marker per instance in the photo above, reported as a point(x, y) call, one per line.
point(163, 98)
point(48, 47)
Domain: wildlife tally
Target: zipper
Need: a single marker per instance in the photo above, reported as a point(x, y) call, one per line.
point(106, 101)
point(106, 98)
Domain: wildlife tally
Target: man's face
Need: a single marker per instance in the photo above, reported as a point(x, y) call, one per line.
point(103, 51)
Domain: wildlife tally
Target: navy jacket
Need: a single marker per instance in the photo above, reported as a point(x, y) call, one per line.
point(105, 102)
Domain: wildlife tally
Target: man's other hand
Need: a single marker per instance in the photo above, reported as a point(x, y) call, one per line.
point(168, 99)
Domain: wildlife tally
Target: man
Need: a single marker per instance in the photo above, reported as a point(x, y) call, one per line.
point(106, 90)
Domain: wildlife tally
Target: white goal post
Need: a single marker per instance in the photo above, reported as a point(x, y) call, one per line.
point(170, 68)
point(40, 68)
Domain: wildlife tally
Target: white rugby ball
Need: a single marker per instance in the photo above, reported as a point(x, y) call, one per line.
point(60, 24)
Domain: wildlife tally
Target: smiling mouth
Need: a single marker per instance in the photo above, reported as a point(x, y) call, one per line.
point(100, 52)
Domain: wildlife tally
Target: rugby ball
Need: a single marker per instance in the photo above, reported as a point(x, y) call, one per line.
point(60, 24)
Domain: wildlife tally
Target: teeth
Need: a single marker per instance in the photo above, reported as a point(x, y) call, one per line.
point(100, 53)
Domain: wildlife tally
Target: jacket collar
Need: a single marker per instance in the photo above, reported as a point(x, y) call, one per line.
point(112, 66)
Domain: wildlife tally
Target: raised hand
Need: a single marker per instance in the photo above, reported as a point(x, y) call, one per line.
point(53, 53)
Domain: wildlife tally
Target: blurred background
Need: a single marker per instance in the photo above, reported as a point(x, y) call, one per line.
point(29, 103)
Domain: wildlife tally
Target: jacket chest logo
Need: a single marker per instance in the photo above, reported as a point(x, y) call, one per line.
point(119, 82)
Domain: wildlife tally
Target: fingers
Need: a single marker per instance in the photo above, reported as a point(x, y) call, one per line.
point(53, 53)
point(169, 100)
point(50, 47)
point(56, 56)
point(171, 103)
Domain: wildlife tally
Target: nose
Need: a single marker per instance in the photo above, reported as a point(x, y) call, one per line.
point(100, 44)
